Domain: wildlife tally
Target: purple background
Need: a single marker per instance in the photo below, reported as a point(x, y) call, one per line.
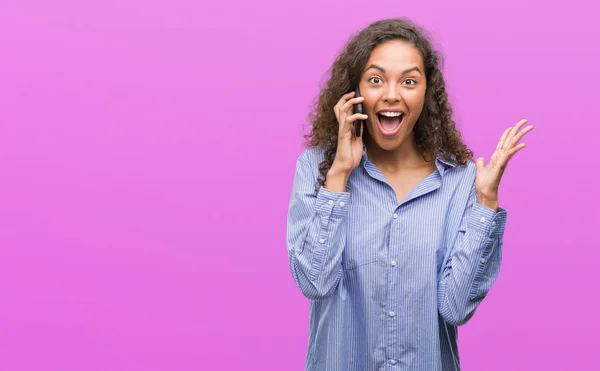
point(147, 150)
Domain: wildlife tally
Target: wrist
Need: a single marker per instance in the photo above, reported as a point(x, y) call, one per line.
point(490, 202)
point(336, 179)
point(339, 170)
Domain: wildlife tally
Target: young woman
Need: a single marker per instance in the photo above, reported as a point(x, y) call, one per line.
point(396, 234)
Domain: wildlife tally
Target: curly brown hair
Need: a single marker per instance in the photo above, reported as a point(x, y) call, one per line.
point(435, 132)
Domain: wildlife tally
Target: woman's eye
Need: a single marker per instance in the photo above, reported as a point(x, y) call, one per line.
point(410, 82)
point(375, 80)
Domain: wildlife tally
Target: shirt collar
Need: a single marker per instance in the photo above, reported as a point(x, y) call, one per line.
point(442, 164)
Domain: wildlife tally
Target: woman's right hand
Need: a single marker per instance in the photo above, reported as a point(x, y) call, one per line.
point(350, 147)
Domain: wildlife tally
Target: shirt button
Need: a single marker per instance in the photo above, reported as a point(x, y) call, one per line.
point(482, 260)
point(321, 241)
point(393, 361)
point(342, 204)
point(482, 219)
point(392, 314)
point(393, 263)
point(395, 216)
point(331, 202)
point(493, 223)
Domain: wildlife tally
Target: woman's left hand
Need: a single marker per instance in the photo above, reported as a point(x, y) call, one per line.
point(488, 176)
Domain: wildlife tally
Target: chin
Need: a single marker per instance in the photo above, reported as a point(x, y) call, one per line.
point(387, 143)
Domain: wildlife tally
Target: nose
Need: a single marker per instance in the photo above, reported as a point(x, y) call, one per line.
point(391, 94)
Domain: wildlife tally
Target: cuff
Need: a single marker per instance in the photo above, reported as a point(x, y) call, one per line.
point(486, 221)
point(332, 204)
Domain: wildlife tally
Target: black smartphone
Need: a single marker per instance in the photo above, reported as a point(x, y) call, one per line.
point(358, 109)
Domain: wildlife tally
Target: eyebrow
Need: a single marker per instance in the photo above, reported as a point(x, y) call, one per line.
point(404, 72)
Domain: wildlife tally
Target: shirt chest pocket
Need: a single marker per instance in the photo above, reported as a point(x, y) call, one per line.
point(365, 236)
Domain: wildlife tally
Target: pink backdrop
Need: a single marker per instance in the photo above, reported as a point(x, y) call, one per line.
point(147, 150)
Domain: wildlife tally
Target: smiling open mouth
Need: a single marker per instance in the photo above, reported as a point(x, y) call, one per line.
point(389, 122)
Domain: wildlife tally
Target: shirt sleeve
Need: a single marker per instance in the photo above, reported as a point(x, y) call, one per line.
point(473, 264)
point(316, 233)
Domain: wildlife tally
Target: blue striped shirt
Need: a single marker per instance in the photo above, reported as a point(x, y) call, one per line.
point(389, 283)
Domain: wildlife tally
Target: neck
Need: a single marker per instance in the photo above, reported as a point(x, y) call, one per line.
point(406, 156)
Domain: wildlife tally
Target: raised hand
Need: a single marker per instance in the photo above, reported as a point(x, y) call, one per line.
point(488, 176)
point(349, 148)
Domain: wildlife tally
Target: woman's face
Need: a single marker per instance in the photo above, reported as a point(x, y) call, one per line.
point(393, 86)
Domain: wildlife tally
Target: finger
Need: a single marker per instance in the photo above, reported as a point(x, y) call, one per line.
point(343, 99)
point(344, 110)
point(352, 118)
point(353, 126)
point(520, 135)
point(479, 164)
point(512, 152)
point(502, 138)
point(351, 102)
point(347, 96)
point(512, 133)
point(350, 122)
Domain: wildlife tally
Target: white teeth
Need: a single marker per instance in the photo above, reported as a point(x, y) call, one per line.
point(391, 114)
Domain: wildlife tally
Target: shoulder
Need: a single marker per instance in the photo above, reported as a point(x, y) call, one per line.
point(307, 168)
point(311, 158)
point(467, 170)
point(463, 175)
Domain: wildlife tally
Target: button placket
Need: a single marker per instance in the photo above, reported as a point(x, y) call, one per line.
point(392, 331)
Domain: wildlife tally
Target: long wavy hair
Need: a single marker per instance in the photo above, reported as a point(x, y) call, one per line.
point(435, 132)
